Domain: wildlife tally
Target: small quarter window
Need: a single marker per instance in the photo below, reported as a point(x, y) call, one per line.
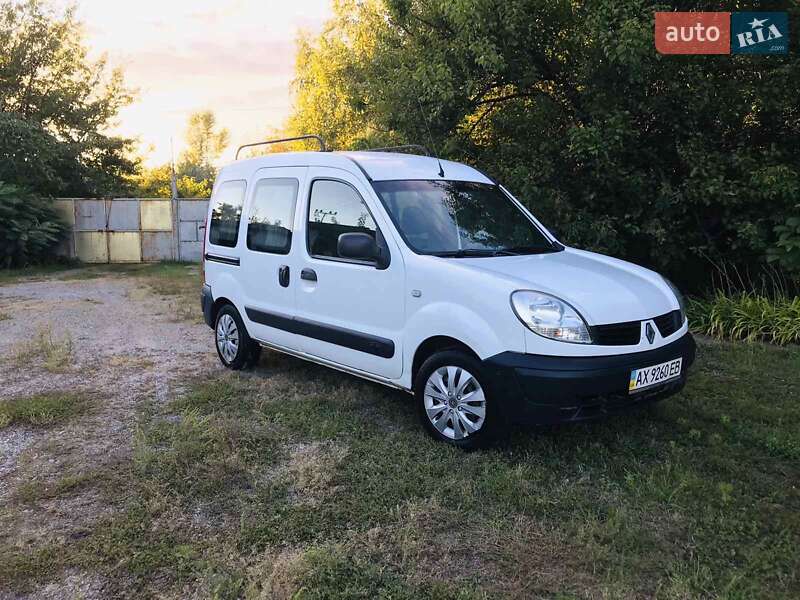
point(272, 215)
point(335, 208)
point(226, 213)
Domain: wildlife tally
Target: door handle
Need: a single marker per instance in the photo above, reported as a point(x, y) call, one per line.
point(308, 274)
point(283, 275)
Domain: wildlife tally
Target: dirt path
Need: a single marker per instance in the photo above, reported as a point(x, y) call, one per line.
point(128, 343)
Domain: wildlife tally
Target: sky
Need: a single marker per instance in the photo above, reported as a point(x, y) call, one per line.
point(235, 57)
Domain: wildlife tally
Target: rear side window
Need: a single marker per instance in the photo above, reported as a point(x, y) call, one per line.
point(226, 213)
point(272, 214)
point(335, 208)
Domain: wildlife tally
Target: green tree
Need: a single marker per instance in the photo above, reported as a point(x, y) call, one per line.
point(205, 143)
point(155, 183)
point(57, 105)
point(29, 227)
point(195, 173)
point(665, 160)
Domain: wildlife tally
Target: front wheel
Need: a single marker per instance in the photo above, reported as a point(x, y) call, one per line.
point(235, 348)
point(454, 400)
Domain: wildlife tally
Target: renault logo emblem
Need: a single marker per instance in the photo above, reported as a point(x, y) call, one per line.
point(650, 333)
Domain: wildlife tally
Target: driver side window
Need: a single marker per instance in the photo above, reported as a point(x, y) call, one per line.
point(335, 208)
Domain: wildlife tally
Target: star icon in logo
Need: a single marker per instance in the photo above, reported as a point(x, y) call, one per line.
point(757, 23)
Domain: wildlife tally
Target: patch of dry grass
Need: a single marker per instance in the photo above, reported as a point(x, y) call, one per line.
point(186, 308)
point(126, 361)
point(311, 469)
point(34, 490)
point(54, 351)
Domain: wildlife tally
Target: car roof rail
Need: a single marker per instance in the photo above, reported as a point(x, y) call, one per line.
point(322, 146)
point(403, 147)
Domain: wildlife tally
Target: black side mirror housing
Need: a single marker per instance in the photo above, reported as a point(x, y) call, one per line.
point(362, 246)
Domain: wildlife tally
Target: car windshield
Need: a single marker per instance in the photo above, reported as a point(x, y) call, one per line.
point(460, 219)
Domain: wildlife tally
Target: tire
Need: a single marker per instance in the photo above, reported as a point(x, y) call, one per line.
point(443, 400)
point(235, 348)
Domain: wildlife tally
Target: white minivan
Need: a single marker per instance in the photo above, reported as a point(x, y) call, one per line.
point(428, 276)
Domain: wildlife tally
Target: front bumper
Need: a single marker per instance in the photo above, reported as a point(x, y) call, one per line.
point(536, 389)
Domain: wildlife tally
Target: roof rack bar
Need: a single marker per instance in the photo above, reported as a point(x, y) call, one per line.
point(291, 139)
point(403, 147)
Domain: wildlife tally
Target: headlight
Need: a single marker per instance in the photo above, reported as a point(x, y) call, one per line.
point(550, 317)
point(678, 296)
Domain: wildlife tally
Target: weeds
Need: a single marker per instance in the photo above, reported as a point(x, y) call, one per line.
point(189, 456)
point(41, 410)
point(33, 491)
point(302, 483)
point(55, 352)
point(748, 316)
point(9, 276)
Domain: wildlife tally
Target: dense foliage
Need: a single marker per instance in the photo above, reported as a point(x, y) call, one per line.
point(29, 227)
point(56, 105)
point(748, 316)
point(664, 160)
point(155, 183)
point(786, 251)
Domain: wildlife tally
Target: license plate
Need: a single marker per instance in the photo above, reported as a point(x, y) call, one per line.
point(655, 375)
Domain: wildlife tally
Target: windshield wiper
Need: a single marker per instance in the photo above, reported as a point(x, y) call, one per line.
point(482, 252)
point(470, 252)
point(534, 249)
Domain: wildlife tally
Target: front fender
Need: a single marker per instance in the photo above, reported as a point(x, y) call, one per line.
point(463, 324)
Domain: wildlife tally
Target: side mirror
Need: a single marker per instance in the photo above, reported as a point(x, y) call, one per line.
point(359, 246)
point(362, 246)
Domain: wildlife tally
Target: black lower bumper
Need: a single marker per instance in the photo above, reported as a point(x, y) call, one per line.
point(207, 303)
point(538, 389)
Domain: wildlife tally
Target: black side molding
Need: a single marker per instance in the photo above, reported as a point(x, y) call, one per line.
point(206, 303)
point(225, 260)
point(355, 340)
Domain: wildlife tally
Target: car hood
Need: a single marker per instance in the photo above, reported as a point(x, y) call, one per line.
point(603, 289)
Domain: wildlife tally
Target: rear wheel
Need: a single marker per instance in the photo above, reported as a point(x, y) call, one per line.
point(235, 348)
point(454, 401)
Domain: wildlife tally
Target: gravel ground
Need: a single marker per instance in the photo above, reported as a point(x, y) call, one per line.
point(128, 344)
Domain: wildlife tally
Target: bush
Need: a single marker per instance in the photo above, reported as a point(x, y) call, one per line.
point(787, 249)
point(660, 160)
point(30, 228)
point(747, 316)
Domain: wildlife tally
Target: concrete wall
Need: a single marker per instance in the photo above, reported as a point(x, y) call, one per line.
point(121, 230)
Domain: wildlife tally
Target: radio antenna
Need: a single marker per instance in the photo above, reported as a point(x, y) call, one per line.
point(430, 137)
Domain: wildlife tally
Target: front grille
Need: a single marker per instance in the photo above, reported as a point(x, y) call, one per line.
point(617, 334)
point(669, 323)
point(629, 333)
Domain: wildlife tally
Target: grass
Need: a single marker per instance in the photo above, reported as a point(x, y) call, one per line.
point(8, 276)
point(34, 490)
point(748, 316)
point(299, 482)
point(55, 352)
point(176, 282)
point(42, 410)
